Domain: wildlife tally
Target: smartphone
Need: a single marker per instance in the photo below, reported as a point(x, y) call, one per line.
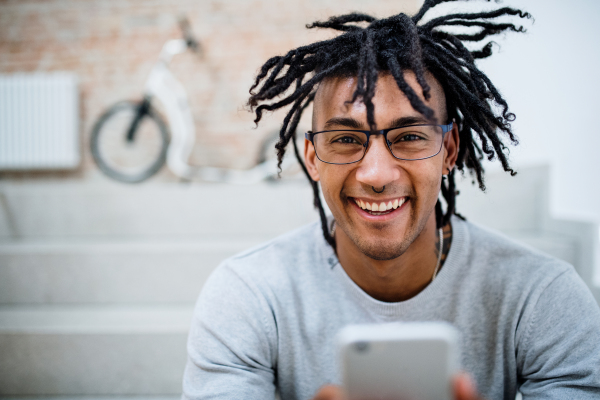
point(398, 361)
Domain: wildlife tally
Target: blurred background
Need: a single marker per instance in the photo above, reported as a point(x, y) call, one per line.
point(98, 278)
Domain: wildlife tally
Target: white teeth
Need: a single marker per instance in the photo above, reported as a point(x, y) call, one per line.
point(381, 207)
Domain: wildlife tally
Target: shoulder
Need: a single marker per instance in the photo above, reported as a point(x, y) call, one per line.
point(539, 298)
point(289, 243)
point(505, 274)
point(294, 256)
point(500, 254)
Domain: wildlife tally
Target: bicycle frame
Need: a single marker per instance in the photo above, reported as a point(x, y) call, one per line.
point(162, 85)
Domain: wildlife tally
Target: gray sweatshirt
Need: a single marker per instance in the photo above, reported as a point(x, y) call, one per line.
point(266, 319)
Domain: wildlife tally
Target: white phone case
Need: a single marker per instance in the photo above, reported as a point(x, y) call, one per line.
point(398, 361)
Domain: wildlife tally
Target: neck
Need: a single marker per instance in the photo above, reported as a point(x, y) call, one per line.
point(400, 278)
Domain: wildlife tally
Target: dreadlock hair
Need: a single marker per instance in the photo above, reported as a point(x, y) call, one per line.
point(394, 45)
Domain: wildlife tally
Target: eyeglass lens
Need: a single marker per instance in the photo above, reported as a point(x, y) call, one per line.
point(408, 143)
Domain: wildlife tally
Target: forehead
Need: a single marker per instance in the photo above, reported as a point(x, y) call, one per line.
point(334, 95)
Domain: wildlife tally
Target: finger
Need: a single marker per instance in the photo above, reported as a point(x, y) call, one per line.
point(464, 388)
point(329, 392)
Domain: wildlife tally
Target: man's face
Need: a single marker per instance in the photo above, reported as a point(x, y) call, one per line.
point(415, 185)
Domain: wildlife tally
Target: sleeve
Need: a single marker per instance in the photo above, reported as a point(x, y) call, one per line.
point(559, 355)
point(232, 344)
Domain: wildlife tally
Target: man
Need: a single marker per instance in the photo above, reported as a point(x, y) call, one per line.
point(396, 106)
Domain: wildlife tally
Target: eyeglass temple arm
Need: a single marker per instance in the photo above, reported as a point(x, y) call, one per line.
point(447, 128)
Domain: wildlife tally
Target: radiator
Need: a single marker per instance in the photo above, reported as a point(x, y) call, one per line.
point(39, 121)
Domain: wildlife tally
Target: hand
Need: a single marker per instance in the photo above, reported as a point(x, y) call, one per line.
point(464, 389)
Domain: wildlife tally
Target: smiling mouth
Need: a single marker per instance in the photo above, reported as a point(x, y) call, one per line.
point(380, 208)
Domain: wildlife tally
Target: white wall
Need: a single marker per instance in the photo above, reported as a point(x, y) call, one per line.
point(549, 77)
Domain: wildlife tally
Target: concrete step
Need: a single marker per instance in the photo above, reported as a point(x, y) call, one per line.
point(102, 272)
point(144, 272)
point(65, 209)
point(77, 350)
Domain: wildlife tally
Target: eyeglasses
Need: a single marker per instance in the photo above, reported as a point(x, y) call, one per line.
point(347, 146)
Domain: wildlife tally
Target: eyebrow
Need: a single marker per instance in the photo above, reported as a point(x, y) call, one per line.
point(355, 124)
point(342, 122)
point(412, 120)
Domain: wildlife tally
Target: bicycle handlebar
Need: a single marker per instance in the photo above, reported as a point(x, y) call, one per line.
point(192, 43)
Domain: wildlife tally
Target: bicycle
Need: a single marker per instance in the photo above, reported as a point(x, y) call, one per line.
point(130, 142)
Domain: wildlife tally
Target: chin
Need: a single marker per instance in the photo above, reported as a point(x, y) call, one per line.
point(380, 251)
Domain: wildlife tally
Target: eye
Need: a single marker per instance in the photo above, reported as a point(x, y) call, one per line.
point(346, 140)
point(409, 137)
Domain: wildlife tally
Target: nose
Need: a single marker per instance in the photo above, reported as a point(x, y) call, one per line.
point(378, 167)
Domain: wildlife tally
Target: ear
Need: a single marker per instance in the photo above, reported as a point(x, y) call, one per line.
point(310, 159)
point(451, 145)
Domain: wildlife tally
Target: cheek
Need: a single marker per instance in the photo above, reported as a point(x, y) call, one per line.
point(329, 182)
point(333, 179)
point(427, 183)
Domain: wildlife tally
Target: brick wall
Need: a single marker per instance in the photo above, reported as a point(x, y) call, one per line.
point(112, 46)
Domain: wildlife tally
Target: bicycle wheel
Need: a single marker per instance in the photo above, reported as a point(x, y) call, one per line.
point(132, 160)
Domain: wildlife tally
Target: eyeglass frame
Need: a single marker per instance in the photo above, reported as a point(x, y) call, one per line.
point(445, 129)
